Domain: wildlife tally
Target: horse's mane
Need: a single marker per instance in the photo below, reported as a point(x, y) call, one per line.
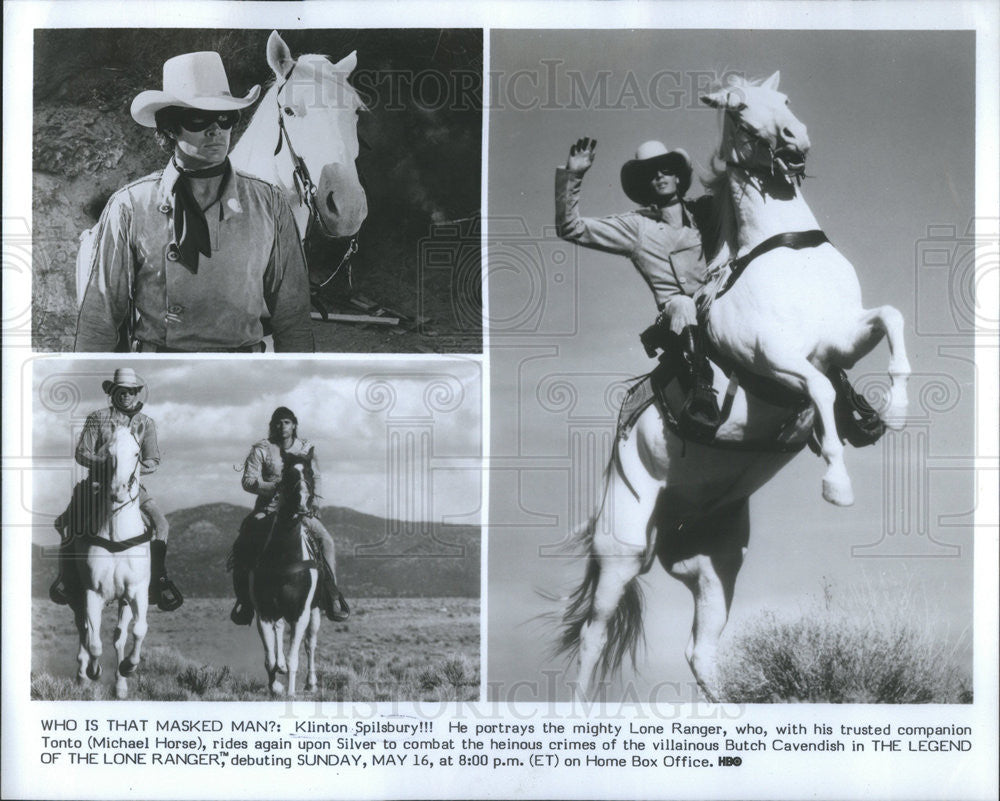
point(720, 227)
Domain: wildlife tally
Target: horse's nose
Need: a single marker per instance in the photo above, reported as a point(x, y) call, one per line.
point(344, 203)
point(796, 135)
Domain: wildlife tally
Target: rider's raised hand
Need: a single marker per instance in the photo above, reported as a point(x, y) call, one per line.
point(581, 155)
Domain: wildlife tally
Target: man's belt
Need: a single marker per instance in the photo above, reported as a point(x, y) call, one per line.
point(796, 240)
point(149, 347)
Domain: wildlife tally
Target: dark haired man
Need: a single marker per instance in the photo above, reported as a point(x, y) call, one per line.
point(663, 241)
point(261, 476)
point(197, 256)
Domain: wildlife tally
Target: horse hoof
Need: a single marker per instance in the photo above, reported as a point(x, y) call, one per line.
point(837, 493)
point(894, 419)
point(94, 671)
point(277, 688)
point(127, 667)
point(121, 693)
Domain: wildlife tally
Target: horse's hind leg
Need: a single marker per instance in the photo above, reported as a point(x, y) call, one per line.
point(711, 577)
point(614, 575)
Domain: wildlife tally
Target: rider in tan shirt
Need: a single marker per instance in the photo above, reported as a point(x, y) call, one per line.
point(663, 241)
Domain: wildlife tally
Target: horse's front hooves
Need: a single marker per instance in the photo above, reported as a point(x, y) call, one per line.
point(121, 691)
point(94, 671)
point(838, 493)
point(127, 667)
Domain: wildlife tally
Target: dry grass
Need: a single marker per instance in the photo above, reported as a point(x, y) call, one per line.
point(873, 646)
point(406, 649)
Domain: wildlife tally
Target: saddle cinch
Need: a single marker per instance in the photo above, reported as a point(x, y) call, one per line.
point(857, 422)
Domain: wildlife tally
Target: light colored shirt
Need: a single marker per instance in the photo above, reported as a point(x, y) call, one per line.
point(256, 273)
point(90, 449)
point(669, 257)
point(262, 471)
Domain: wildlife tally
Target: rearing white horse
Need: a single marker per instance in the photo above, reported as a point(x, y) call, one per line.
point(789, 313)
point(304, 139)
point(795, 310)
point(114, 566)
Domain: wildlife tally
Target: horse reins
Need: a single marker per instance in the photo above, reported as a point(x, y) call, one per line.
point(755, 152)
point(763, 155)
point(121, 545)
point(307, 190)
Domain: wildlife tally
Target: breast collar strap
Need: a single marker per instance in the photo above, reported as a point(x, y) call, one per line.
point(796, 240)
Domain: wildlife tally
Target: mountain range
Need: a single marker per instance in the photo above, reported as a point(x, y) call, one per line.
point(375, 557)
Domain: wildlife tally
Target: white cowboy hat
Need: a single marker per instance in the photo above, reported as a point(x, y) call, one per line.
point(125, 377)
point(191, 80)
point(637, 173)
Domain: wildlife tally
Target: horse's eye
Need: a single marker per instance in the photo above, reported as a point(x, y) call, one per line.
point(289, 111)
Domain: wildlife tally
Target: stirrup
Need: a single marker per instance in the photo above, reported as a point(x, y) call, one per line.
point(58, 593)
point(242, 614)
point(700, 427)
point(167, 596)
point(337, 608)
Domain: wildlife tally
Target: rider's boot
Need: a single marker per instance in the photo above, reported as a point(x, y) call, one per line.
point(61, 591)
point(242, 614)
point(699, 416)
point(162, 591)
point(334, 603)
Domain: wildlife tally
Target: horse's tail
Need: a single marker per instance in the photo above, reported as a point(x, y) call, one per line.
point(624, 628)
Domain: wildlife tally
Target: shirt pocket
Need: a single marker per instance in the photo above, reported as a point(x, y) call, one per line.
point(689, 266)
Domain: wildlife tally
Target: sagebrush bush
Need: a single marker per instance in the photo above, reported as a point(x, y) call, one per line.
point(874, 647)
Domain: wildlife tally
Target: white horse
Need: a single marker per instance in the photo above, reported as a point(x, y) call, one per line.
point(114, 566)
point(304, 139)
point(796, 310)
point(685, 503)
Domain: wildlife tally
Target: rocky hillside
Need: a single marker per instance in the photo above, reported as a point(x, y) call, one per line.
point(375, 557)
point(421, 169)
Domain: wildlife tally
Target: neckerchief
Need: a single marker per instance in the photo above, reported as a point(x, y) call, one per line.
point(190, 226)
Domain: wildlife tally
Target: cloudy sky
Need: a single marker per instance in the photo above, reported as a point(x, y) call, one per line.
point(891, 119)
point(210, 411)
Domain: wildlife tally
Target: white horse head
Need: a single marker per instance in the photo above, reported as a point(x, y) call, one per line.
point(318, 110)
point(124, 462)
point(759, 130)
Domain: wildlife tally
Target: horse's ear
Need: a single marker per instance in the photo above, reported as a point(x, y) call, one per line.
point(724, 98)
point(772, 82)
point(279, 57)
point(347, 64)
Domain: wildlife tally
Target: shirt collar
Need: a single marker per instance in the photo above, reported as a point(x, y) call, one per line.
point(229, 199)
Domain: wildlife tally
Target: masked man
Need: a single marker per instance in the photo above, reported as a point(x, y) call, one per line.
point(197, 256)
point(80, 517)
point(663, 241)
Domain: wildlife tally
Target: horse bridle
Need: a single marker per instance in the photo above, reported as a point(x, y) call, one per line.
point(307, 190)
point(755, 154)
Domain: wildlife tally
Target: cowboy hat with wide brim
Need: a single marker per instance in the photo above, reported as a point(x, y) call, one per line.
point(650, 157)
point(191, 80)
point(125, 378)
